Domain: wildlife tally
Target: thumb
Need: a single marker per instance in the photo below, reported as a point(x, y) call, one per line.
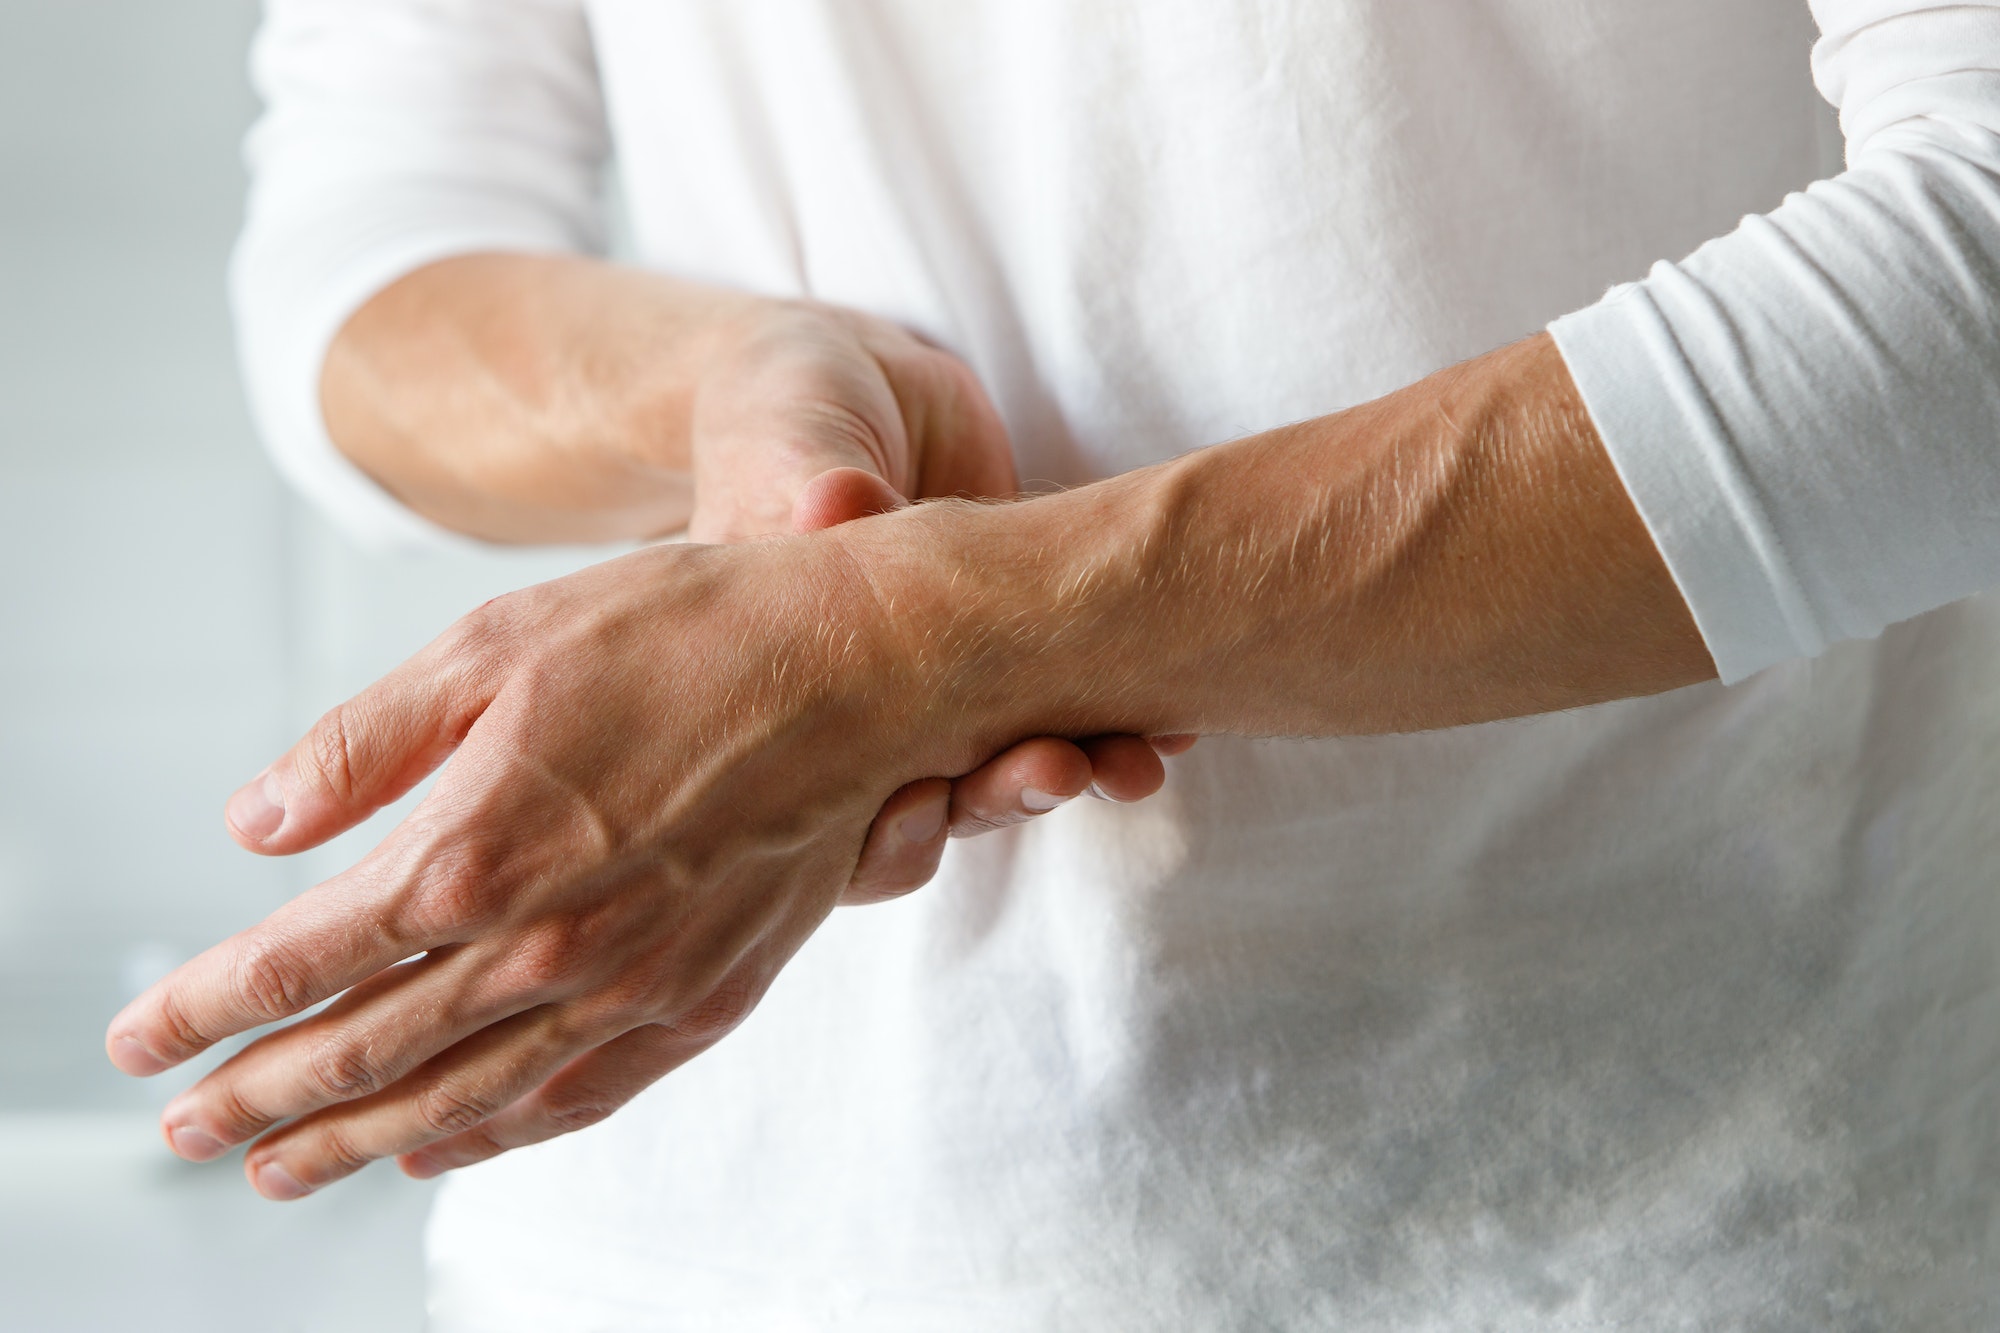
point(842, 495)
point(362, 755)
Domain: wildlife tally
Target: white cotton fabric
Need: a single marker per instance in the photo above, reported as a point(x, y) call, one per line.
point(1807, 412)
point(1681, 1013)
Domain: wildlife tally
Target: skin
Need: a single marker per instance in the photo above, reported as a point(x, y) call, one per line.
point(552, 398)
point(669, 768)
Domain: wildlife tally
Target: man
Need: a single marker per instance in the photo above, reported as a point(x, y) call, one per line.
point(1679, 1011)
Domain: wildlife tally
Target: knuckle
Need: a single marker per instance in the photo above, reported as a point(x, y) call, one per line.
point(552, 954)
point(235, 1117)
point(956, 376)
point(453, 886)
point(338, 1071)
point(444, 1110)
point(719, 1014)
point(329, 753)
point(182, 1034)
point(476, 1144)
point(452, 902)
point(619, 1003)
point(466, 1147)
point(270, 985)
point(480, 640)
point(567, 1117)
point(336, 1144)
point(480, 628)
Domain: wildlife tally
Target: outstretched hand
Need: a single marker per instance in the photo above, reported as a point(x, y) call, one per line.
point(663, 770)
point(666, 770)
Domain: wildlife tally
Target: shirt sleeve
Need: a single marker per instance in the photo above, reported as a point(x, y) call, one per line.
point(395, 133)
point(1805, 411)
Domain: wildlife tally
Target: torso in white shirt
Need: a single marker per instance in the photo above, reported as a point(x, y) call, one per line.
point(1679, 1013)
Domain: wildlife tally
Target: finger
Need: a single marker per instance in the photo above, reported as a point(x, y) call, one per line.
point(1169, 746)
point(370, 750)
point(904, 844)
point(309, 950)
point(1123, 768)
point(445, 1096)
point(841, 495)
point(961, 443)
point(1030, 779)
point(363, 1042)
point(471, 1082)
point(586, 1090)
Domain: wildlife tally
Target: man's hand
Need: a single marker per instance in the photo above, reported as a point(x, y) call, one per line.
point(663, 773)
point(667, 766)
point(588, 918)
point(808, 417)
point(539, 397)
point(792, 390)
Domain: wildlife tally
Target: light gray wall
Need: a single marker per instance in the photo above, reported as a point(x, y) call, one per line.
point(169, 617)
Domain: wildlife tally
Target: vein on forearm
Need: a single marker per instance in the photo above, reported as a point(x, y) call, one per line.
point(1459, 552)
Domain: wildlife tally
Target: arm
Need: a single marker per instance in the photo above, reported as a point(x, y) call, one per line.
point(395, 134)
point(1458, 552)
point(1803, 410)
point(535, 398)
point(1463, 550)
point(597, 912)
point(430, 350)
point(529, 398)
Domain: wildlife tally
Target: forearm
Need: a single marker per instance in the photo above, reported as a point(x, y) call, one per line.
point(1458, 552)
point(528, 397)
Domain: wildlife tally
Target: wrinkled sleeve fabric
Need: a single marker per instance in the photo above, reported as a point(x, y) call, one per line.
point(1807, 412)
point(396, 133)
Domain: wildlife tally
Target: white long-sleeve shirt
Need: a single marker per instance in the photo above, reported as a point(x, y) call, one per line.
point(1677, 1013)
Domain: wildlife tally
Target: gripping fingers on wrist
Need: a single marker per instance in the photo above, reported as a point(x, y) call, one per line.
point(842, 495)
point(904, 845)
point(1124, 768)
point(908, 837)
point(1028, 780)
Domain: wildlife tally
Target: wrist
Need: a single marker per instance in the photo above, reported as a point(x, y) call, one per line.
point(1037, 617)
point(1458, 552)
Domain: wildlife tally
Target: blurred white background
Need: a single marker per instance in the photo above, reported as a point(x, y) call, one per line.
point(169, 620)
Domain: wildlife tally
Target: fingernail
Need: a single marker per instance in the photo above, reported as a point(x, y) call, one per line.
point(258, 808)
point(130, 1056)
point(274, 1182)
point(1040, 802)
point(196, 1145)
point(418, 1166)
point(924, 823)
point(1103, 795)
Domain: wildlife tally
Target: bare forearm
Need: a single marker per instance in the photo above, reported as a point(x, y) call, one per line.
point(681, 757)
point(1458, 552)
point(526, 397)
